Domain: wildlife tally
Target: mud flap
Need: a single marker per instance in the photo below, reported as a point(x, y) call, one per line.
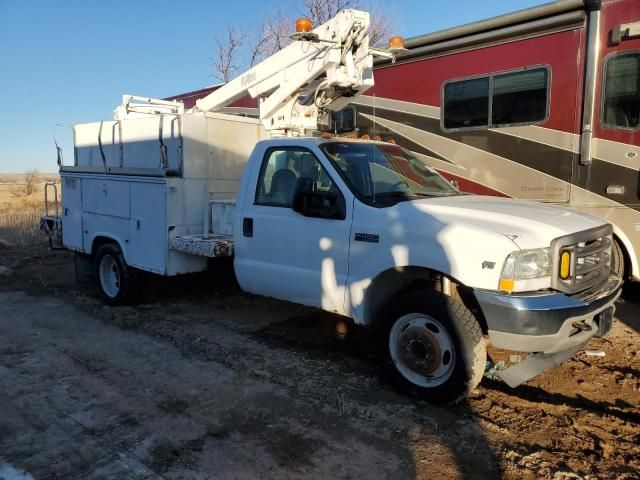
point(83, 268)
point(534, 364)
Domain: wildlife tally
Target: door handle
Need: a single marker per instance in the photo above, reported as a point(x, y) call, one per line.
point(247, 227)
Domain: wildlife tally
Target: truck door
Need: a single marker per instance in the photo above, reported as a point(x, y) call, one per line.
point(283, 254)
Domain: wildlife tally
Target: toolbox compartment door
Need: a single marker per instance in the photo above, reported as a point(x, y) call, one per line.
point(148, 238)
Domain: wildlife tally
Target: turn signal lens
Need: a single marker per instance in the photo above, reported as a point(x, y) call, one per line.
point(304, 25)
point(396, 42)
point(565, 265)
point(506, 284)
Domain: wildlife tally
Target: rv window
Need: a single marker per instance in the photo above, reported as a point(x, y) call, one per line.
point(519, 97)
point(516, 98)
point(466, 103)
point(621, 101)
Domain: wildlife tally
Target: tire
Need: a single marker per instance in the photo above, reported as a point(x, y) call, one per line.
point(116, 281)
point(419, 326)
point(617, 260)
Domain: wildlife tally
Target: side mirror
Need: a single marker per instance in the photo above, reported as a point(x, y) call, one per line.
point(318, 204)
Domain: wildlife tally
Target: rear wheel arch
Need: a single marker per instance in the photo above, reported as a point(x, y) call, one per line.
point(100, 240)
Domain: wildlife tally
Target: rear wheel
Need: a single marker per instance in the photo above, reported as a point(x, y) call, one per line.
point(116, 281)
point(432, 346)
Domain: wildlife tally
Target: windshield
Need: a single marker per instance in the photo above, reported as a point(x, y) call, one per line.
point(378, 173)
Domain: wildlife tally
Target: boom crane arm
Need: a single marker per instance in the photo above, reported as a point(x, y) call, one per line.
point(320, 70)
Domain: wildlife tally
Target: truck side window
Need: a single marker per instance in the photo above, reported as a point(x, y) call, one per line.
point(496, 100)
point(621, 92)
point(282, 168)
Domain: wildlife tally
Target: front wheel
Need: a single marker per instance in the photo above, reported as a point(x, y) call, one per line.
point(433, 347)
point(116, 282)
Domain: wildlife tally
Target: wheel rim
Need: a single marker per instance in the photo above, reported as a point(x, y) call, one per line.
point(422, 350)
point(109, 276)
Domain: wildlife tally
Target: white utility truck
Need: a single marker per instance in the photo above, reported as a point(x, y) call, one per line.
point(358, 227)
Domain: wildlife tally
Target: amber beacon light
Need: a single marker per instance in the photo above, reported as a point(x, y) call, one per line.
point(396, 47)
point(303, 25)
point(396, 42)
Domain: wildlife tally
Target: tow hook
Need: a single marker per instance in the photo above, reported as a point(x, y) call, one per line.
point(582, 326)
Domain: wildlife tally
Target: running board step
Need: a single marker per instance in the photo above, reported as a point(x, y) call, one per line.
point(211, 246)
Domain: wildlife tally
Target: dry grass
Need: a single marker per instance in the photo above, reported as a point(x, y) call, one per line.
point(20, 215)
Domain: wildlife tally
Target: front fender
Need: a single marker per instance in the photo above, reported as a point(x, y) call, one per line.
point(472, 256)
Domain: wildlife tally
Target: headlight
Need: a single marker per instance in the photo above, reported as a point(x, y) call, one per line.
point(523, 267)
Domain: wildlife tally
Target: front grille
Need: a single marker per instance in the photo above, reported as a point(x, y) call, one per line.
point(590, 262)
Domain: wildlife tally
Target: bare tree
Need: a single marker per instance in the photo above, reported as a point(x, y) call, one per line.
point(320, 11)
point(28, 186)
point(274, 36)
point(382, 27)
point(227, 48)
point(31, 181)
point(276, 29)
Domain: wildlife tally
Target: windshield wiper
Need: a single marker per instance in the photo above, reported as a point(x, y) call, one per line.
point(394, 194)
point(397, 196)
point(399, 193)
point(441, 194)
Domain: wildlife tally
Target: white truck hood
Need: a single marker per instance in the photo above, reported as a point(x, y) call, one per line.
point(528, 224)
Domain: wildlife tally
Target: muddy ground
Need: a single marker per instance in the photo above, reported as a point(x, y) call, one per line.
point(203, 381)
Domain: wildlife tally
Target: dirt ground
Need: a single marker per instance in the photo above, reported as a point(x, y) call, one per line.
point(203, 381)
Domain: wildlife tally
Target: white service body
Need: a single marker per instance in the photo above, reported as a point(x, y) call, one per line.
point(137, 201)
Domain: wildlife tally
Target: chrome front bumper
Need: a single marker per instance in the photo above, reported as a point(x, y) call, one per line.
point(549, 323)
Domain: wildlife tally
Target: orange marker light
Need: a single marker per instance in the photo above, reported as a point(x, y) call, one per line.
point(565, 265)
point(304, 25)
point(506, 284)
point(396, 42)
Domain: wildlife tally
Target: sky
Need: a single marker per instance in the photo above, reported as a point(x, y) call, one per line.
point(69, 61)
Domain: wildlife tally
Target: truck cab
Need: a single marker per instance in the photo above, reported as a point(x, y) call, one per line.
point(368, 230)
